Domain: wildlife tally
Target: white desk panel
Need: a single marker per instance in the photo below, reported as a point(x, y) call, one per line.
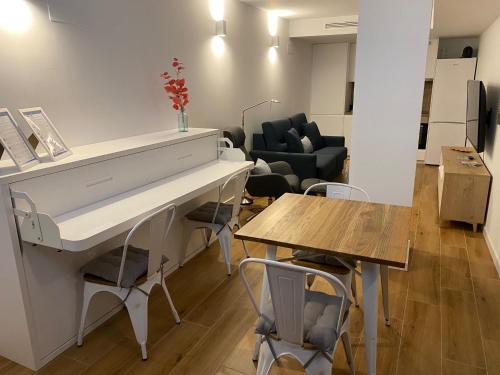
point(86, 227)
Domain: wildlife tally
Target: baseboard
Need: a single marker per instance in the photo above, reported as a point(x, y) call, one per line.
point(493, 253)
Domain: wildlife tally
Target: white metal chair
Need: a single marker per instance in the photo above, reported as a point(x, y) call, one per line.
point(336, 264)
point(124, 272)
point(218, 217)
point(298, 322)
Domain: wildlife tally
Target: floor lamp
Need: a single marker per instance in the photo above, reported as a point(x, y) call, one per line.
point(247, 201)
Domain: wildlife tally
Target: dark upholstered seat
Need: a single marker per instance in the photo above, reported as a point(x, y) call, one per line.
point(293, 181)
point(205, 213)
point(321, 314)
point(107, 266)
point(308, 256)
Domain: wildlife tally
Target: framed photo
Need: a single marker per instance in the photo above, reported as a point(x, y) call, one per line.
point(45, 131)
point(15, 143)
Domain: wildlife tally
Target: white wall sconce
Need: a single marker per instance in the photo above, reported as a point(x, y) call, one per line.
point(274, 41)
point(15, 16)
point(220, 28)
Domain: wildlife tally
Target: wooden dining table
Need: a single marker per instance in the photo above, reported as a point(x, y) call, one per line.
point(375, 234)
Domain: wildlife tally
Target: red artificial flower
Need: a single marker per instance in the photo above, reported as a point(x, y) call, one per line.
point(175, 87)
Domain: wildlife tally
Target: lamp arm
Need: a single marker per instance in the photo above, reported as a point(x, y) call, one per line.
point(248, 108)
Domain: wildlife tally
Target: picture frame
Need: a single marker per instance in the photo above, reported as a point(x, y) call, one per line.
point(46, 133)
point(15, 142)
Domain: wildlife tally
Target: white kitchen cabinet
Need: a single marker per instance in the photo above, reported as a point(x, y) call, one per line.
point(432, 53)
point(329, 78)
point(442, 134)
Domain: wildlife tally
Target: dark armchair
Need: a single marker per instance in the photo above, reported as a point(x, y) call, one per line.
point(281, 180)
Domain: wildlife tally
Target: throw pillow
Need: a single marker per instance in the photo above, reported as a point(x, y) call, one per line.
point(261, 167)
point(308, 147)
point(293, 141)
point(311, 131)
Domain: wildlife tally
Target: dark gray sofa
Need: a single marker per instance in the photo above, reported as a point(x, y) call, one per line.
point(325, 163)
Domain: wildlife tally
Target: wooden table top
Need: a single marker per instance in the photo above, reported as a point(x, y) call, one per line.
point(370, 232)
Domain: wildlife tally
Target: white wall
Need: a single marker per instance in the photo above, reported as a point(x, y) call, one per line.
point(390, 69)
point(488, 70)
point(97, 74)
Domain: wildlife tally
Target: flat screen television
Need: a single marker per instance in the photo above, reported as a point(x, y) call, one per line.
point(477, 115)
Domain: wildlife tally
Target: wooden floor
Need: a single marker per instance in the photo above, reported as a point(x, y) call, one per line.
point(445, 314)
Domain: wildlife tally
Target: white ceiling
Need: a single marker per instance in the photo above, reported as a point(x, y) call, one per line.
point(452, 18)
point(307, 8)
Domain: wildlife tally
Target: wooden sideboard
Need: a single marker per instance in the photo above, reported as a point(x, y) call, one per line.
point(463, 190)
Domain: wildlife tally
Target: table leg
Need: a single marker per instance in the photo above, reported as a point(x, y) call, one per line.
point(264, 295)
point(369, 275)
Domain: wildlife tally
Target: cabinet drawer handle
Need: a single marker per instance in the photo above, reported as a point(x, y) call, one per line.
point(184, 157)
point(99, 181)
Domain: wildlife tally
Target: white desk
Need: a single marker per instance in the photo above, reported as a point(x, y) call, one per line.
point(83, 205)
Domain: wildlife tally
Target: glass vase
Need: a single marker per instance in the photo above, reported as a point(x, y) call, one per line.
point(182, 121)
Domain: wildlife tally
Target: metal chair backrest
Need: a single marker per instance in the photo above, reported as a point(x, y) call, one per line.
point(287, 290)
point(240, 180)
point(342, 191)
point(169, 210)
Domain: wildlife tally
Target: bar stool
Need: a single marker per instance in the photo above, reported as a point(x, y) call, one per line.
point(220, 218)
point(124, 272)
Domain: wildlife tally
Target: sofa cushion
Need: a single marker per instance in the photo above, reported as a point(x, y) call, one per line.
point(261, 167)
point(339, 151)
point(274, 134)
point(321, 314)
point(298, 122)
point(307, 145)
point(312, 132)
point(293, 141)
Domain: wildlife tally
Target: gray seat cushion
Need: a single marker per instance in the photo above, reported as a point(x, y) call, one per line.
point(107, 266)
point(205, 213)
point(293, 181)
point(308, 256)
point(321, 314)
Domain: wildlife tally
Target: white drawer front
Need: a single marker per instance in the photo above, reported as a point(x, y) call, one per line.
point(64, 191)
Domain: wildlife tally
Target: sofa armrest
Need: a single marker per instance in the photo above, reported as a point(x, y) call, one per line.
point(334, 141)
point(303, 165)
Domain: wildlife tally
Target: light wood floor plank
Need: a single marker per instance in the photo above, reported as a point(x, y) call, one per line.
point(424, 278)
point(461, 334)
point(455, 273)
point(488, 302)
point(492, 351)
point(169, 351)
point(421, 343)
point(454, 368)
point(209, 354)
point(388, 343)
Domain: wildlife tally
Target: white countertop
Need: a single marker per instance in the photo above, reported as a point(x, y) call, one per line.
point(96, 152)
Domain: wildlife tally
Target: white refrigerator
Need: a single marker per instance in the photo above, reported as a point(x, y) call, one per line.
point(447, 115)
